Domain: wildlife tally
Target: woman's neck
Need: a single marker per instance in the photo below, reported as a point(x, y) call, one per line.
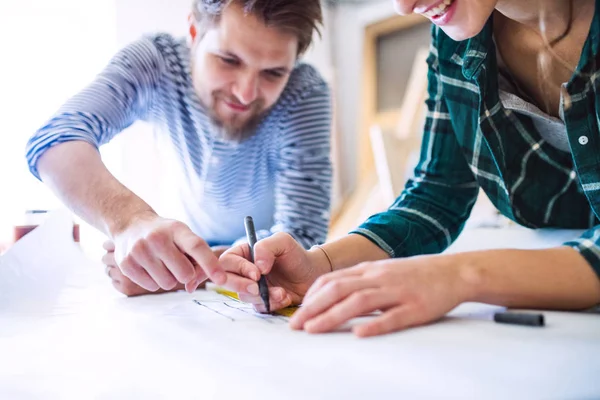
point(541, 60)
point(553, 17)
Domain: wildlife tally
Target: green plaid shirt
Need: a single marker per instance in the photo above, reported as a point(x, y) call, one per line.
point(471, 141)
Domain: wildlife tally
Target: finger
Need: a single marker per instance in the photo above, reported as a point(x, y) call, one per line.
point(108, 245)
point(233, 263)
point(239, 284)
point(193, 285)
point(117, 285)
point(357, 304)
point(111, 272)
point(332, 293)
point(333, 276)
point(109, 259)
point(241, 250)
point(398, 318)
point(267, 250)
point(138, 275)
point(179, 264)
point(276, 294)
point(197, 248)
point(274, 306)
point(154, 266)
point(200, 276)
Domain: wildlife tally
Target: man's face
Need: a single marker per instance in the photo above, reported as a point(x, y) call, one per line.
point(239, 69)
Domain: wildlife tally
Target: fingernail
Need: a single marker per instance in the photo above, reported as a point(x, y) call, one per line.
point(278, 295)
point(220, 278)
point(294, 324)
point(255, 276)
point(311, 326)
point(253, 289)
point(260, 264)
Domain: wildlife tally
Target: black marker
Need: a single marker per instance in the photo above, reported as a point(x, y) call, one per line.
point(519, 318)
point(262, 282)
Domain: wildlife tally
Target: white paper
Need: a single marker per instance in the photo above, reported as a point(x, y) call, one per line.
point(168, 346)
point(34, 271)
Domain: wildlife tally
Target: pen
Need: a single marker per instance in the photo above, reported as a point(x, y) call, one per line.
point(262, 282)
point(519, 318)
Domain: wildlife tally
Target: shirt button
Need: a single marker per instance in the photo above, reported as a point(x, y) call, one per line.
point(583, 140)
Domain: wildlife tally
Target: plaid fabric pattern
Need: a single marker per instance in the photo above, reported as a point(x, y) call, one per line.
point(471, 141)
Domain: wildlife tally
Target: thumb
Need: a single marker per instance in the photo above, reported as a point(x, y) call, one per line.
point(268, 250)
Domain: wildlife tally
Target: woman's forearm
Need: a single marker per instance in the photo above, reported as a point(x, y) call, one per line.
point(557, 278)
point(353, 249)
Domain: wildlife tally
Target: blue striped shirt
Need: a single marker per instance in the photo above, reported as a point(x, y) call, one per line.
point(281, 175)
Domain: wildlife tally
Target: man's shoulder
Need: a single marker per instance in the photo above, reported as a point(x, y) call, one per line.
point(165, 44)
point(305, 81)
point(157, 51)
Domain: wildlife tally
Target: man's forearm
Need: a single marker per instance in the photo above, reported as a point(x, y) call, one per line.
point(556, 278)
point(76, 174)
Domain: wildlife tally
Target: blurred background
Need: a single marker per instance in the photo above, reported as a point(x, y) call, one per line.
point(373, 59)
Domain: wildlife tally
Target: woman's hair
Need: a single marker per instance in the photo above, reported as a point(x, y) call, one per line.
point(300, 17)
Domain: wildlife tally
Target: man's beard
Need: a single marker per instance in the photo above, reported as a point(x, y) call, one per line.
point(233, 132)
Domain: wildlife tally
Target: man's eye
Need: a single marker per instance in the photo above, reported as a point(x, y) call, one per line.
point(274, 74)
point(229, 61)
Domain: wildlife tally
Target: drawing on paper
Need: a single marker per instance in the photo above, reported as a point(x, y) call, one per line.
point(238, 311)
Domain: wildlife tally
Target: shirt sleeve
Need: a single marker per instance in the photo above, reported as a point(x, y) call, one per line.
point(118, 96)
point(304, 171)
point(435, 204)
point(588, 245)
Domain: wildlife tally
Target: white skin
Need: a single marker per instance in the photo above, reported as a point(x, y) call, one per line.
point(240, 68)
point(419, 290)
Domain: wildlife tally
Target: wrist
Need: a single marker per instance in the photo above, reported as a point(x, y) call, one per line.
point(319, 260)
point(470, 277)
point(120, 224)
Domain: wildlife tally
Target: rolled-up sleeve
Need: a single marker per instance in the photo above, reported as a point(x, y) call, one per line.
point(435, 204)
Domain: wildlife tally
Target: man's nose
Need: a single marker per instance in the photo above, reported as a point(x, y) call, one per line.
point(246, 88)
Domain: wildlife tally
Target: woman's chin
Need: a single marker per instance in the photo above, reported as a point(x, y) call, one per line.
point(460, 33)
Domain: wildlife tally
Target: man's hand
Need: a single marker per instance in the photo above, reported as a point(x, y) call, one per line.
point(409, 292)
point(157, 253)
point(122, 283)
point(290, 270)
point(125, 285)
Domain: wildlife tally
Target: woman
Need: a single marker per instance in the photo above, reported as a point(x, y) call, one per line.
point(513, 108)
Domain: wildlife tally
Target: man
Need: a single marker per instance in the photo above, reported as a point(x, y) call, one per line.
point(250, 126)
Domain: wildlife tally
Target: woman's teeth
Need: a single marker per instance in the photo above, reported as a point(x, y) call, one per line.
point(438, 11)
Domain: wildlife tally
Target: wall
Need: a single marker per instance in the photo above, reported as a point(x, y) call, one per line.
point(348, 22)
point(51, 49)
point(141, 164)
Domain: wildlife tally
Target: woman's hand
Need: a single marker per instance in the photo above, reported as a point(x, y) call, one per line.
point(409, 292)
point(290, 270)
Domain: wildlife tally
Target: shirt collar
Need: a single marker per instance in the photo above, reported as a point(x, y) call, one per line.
point(477, 48)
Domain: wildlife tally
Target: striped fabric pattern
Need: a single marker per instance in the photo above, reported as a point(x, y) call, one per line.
point(471, 141)
point(281, 175)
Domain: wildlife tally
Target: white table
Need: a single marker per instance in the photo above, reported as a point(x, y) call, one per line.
point(85, 341)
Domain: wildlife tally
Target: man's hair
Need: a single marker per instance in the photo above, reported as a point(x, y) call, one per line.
point(299, 17)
